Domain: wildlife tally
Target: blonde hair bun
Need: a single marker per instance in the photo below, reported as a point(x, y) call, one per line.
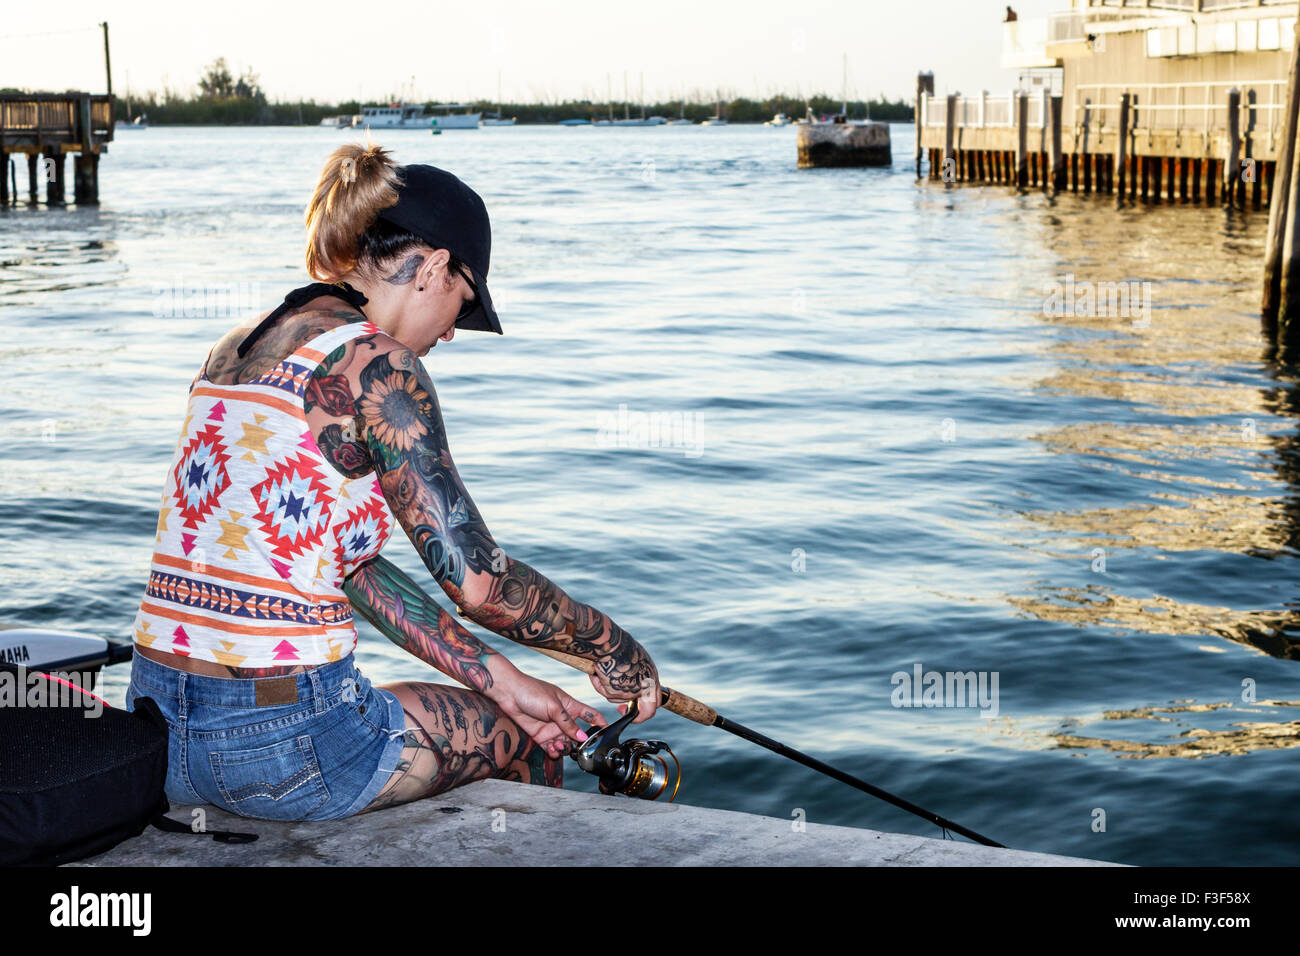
point(356, 182)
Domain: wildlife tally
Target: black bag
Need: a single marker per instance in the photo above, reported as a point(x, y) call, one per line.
point(73, 785)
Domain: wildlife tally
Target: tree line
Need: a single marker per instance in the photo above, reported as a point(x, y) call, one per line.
point(224, 99)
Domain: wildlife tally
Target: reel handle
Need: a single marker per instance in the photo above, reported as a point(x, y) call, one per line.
point(672, 700)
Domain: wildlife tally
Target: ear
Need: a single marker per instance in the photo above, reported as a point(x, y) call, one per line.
point(434, 262)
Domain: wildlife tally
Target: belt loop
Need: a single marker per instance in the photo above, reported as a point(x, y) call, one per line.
point(317, 692)
point(182, 704)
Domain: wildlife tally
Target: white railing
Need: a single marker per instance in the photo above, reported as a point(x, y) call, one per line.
point(1194, 107)
point(1187, 107)
point(983, 111)
point(1187, 5)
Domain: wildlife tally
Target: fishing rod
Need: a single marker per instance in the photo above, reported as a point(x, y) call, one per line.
point(692, 709)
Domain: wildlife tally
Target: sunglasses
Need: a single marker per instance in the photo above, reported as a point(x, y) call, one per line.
point(469, 307)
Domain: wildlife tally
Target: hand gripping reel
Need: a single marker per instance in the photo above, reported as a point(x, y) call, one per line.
point(629, 767)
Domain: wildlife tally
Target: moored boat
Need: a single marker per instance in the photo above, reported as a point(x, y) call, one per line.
point(445, 116)
point(395, 116)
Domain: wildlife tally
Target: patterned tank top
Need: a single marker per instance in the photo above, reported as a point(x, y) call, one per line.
point(257, 529)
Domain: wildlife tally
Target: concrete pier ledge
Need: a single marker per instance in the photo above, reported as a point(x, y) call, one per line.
point(500, 823)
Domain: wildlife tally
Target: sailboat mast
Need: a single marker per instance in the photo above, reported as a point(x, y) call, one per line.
point(642, 96)
point(626, 115)
point(845, 109)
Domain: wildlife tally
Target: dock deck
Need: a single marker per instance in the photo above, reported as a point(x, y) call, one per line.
point(501, 823)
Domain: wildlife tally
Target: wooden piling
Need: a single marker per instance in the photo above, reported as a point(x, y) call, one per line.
point(1250, 187)
point(1281, 300)
point(1121, 145)
point(1058, 168)
point(85, 179)
point(1022, 139)
point(60, 177)
point(949, 132)
point(1083, 148)
point(924, 90)
point(1231, 174)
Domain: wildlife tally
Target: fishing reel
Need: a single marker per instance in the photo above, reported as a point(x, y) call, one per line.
point(630, 767)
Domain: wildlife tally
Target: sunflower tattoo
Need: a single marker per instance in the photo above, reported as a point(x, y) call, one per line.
point(396, 409)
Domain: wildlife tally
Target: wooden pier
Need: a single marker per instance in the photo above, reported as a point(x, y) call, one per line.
point(46, 128)
point(1208, 142)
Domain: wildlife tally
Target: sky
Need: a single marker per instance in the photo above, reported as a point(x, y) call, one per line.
point(573, 49)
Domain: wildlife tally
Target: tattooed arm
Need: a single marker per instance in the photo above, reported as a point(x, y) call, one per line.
point(402, 434)
point(381, 593)
point(386, 597)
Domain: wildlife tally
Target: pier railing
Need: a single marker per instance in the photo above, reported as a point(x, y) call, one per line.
point(1167, 107)
point(54, 114)
point(1187, 6)
point(1179, 107)
point(979, 112)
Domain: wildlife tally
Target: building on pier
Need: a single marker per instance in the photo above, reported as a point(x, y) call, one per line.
point(1157, 99)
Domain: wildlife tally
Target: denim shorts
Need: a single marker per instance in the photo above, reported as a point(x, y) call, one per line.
point(325, 756)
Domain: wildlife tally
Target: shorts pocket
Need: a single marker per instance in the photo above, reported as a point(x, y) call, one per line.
point(280, 781)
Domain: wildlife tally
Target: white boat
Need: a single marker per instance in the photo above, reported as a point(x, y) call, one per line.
point(780, 119)
point(643, 121)
point(395, 116)
point(335, 122)
point(445, 116)
point(716, 119)
point(140, 122)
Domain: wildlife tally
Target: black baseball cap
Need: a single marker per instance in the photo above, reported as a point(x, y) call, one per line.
point(444, 212)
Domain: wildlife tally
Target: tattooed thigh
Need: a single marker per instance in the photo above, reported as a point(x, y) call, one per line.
point(454, 736)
